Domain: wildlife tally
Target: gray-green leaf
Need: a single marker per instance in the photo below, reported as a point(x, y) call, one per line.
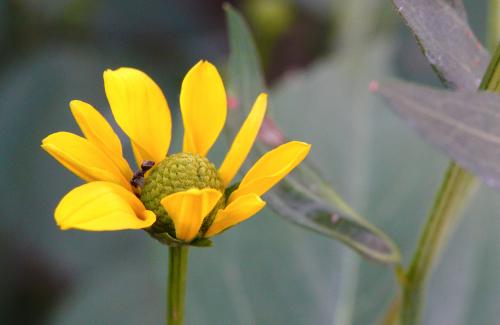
point(447, 40)
point(465, 125)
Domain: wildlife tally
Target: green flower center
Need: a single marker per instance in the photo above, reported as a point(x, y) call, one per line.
point(176, 173)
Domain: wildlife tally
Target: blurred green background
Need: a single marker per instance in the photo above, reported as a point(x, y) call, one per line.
point(319, 57)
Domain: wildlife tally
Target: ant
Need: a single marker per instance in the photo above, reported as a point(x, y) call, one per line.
point(138, 178)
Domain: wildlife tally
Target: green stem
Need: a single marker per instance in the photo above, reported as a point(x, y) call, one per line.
point(454, 193)
point(177, 274)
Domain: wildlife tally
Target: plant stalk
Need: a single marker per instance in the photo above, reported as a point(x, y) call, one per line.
point(176, 291)
point(455, 191)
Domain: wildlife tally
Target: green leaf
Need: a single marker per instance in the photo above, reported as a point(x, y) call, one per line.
point(447, 40)
point(316, 215)
point(464, 125)
point(300, 198)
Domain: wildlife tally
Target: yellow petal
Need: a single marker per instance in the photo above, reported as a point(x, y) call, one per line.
point(98, 131)
point(102, 206)
point(141, 111)
point(237, 211)
point(188, 209)
point(203, 107)
point(244, 140)
point(271, 168)
point(83, 158)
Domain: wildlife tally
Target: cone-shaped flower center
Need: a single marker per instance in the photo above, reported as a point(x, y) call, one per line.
point(176, 173)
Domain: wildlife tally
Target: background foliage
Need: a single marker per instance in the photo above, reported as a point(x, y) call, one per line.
point(319, 57)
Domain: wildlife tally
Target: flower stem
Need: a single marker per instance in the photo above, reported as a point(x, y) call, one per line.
point(176, 291)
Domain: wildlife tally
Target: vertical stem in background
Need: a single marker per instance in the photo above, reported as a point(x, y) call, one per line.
point(349, 273)
point(176, 291)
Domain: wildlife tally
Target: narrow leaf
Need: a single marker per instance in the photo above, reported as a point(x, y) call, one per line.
point(447, 40)
point(313, 213)
point(295, 198)
point(464, 125)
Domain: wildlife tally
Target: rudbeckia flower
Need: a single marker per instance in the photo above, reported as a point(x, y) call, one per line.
point(178, 198)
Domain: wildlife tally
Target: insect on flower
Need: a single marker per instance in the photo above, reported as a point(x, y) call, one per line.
point(181, 196)
point(138, 178)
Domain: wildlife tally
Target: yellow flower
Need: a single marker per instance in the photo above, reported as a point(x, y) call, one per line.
point(183, 196)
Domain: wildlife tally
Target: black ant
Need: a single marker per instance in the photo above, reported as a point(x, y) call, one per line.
point(138, 178)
